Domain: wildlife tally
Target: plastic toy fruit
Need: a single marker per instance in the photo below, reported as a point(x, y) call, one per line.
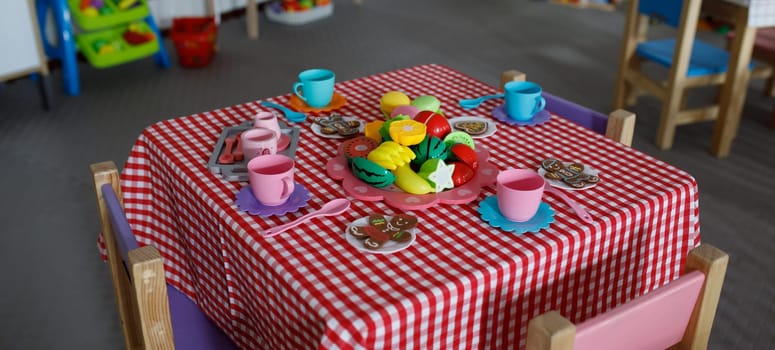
point(407, 110)
point(391, 155)
point(437, 174)
point(372, 130)
point(436, 124)
point(465, 154)
point(384, 131)
point(358, 147)
point(407, 132)
point(371, 173)
point(427, 103)
point(462, 173)
point(391, 100)
point(456, 137)
point(430, 148)
point(410, 182)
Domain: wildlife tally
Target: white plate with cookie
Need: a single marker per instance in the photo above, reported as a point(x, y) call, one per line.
point(477, 127)
point(332, 131)
point(585, 176)
point(402, 237)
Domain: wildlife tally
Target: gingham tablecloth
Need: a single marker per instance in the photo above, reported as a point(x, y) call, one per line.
point(462, 284)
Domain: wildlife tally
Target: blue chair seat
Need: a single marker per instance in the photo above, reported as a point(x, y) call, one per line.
point(706, 59)
point(191, 329)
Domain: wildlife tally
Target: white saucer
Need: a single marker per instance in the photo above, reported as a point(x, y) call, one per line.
point(491, 128)
point(316, 129)
point(386, 248)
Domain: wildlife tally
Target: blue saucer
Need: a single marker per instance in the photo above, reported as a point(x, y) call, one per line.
point(488, 208)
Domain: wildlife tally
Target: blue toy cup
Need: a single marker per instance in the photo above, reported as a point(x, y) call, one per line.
point(523, 100)
point(315, 87)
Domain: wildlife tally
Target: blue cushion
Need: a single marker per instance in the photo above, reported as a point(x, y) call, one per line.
point(705, 59)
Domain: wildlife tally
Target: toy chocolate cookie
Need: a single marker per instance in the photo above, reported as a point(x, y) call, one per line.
point(571, 174)
point(335, 124)
point(471, 127)
point(380, 230)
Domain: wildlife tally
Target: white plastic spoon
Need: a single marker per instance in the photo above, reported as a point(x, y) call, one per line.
point(583, 215)
point(334, 207)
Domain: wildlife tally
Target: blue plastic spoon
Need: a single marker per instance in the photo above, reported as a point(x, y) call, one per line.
point(475, 102)
point(290, 114)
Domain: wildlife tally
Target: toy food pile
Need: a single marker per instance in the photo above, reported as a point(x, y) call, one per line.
point(136, 35)
point(414, 149)
point(96, 8)
point(302, 5)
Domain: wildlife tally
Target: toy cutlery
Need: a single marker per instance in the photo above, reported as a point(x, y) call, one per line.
point(334, 207)
point(238, 153)
point(227, 157)
point(583, 215)
point(290, 114)
point(475, 102)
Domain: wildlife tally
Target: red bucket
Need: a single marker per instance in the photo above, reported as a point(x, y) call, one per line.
point(195, 40)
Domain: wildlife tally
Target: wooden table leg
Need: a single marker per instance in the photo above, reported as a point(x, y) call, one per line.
point(734, 90)
point(252, 19)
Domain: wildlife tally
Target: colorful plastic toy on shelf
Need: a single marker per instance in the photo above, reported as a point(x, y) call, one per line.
point(297, 12)
point(102, 41)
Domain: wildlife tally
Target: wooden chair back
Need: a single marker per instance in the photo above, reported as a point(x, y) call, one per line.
point(678, 314)
point(138, 273)
point(619, 125)
point(691, 63)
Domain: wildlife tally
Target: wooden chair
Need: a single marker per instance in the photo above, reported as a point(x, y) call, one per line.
point(764, 51)
point(678, 314)
point(691, 63)
point(153, 314)
point(619, 125)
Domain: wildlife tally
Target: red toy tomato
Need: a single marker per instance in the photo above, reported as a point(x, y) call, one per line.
point(465, 154)
point(435, 124)
point(462, 173)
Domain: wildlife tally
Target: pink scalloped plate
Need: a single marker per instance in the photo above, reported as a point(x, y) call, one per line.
point(338, 169)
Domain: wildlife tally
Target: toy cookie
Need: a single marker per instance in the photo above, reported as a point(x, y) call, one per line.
point(380, 230)
point(570, 173)
point(336, 124)
point(471, 127)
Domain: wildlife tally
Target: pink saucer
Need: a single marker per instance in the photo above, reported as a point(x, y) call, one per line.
point(539, 118)
point(283, 142)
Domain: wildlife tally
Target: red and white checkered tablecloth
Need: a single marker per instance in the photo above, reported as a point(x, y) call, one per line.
point(462, 284)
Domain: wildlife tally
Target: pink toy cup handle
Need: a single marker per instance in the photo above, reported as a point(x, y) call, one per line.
point(540, 104)
point(287, 188)
point(296, 87)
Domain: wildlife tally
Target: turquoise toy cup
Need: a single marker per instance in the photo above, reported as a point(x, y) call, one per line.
point(315, 87)
point(523, 100)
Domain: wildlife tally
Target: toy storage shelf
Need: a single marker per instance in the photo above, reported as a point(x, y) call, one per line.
point(124, 51)
point(300, 17)
point(105, 20)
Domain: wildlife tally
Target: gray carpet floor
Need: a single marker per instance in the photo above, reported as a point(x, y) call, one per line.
point(54, 291)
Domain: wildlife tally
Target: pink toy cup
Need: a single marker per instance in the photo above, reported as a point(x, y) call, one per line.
point(271, 178)
point(519, 193)
point(267, 120)
point(258, 141)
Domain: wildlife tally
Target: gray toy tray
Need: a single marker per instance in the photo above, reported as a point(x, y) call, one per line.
point(238, 171)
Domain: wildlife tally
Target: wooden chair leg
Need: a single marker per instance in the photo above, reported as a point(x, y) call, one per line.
point(550, 331)
point(621, 126)
point(252, 19)
point(667, 121)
